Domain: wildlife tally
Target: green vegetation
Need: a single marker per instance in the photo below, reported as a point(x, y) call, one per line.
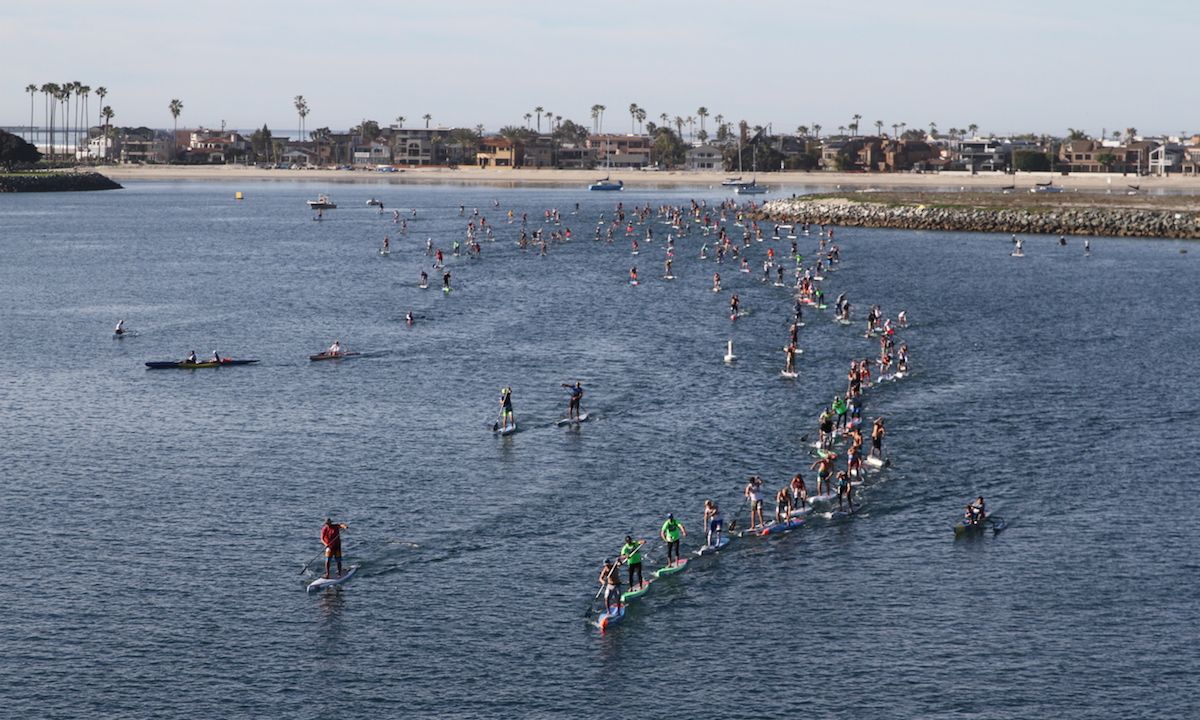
point(1029, 161)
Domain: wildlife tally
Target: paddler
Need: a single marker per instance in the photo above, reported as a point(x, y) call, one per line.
point(733, 306)
point(789, 365)
point(714, 522)
point(825, 425)
point(506, 408)
point(631, 554)
point(446, 282)
point(844, 488)
point(610, 579)
point(120, 328)
point(672, 530)
point(799, 491)
point(408, 319)
point(783, 505)
point(424, 280)
point(839, 408)
point(331, 538)
point(977, 511)
point(824, 468)
point(191, 358)
point(576, 391)
point(335, 348)
point(877, 433)
point(753, 493)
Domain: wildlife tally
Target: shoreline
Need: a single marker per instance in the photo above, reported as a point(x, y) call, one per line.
point(779, 183)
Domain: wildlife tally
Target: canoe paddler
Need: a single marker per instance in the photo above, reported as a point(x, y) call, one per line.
point(672, 530)
point(610, 580)
point(631, 554)
point(753, 494)
point(335, 348)
point(216, 357)
point(714, 522)
point(976, 511)
point(120, 328)
point(331, 538)
point(191, 358)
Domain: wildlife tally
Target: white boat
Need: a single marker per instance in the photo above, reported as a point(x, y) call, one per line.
point(733, 182)
point(322, 203)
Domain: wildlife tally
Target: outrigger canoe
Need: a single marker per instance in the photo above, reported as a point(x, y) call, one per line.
point(185, 365)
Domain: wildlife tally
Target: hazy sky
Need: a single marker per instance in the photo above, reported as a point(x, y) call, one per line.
point(1012, 66)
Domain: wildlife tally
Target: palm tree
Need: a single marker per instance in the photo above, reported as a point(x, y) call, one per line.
point(49, 90)
point(879, 127)
point(602, 109)
point(633, 110)
point(528, 117)
point(973, 129)
point(32, 90)
point(802, 130)
point(691, 121)
point(84, 92)
point(933, 130)
point(703, 113)
point(100, 93)
point(64, 96)
point(106, 113)
point(175, 107)
point(400, 120)
point(854, 124)
point(903, 126)
point(301, 106)
point(596, 119)
point(539, 110)
point(842, 130)
point(679, 121)
point(426, 117)
point(641, 118)
point(665, 118)
point(816, 131)
point(895, 131)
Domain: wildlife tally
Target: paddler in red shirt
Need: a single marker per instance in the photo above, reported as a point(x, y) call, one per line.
point(331, 538)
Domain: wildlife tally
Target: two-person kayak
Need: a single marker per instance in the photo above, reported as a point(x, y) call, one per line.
point(185, 365)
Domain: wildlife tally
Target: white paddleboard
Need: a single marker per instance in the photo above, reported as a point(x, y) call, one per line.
point(321, 583)
point(875, 461)
point(788, 375)
point(569, 421)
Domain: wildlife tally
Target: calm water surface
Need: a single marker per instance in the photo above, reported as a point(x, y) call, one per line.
point(158, 521)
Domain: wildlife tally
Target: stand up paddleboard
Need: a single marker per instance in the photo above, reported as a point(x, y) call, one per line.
point(322, 583)
point(505, 430)
point(715, 548)
point(608, 618)
point(671, 569)
point(788, 375)
point(777, 527)
point(573, 421)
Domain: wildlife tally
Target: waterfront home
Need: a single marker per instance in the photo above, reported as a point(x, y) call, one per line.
point(704, 157)
point(419, 146)
point(499, 152)
point(621, 151)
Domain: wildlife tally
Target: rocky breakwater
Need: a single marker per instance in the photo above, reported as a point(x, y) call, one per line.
point(55, 182)
point(1000, 214)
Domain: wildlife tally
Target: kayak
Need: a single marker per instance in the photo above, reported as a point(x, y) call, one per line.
point(671, 569)
point(613, 616)
point(322, 583)
point(711, 549)
point(332, 356)
point(185, 365)
point(635, 594)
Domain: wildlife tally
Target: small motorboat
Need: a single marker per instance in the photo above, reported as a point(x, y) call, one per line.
point(606, 184)
point(322, 203)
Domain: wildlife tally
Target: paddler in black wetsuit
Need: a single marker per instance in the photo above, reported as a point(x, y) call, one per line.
point(573, 402)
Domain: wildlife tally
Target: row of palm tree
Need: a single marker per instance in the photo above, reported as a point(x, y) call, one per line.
point(58, 112)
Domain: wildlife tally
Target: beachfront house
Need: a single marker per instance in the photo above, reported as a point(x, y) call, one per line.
point(371, 154)
point(576, 157)
point(419, 146)
point(1106, 156)
point(704, 157)
point(621, 151)
point(144, 149)
point(499, 152)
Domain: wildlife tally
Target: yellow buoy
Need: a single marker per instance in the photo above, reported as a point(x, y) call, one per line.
point(237, 195)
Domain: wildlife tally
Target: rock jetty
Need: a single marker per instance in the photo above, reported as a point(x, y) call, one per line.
point(1155, 217)
point(55, 182)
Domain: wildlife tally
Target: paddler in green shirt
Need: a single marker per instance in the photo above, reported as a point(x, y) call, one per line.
point(671, 531)
point(839, 408)
point(631, 553)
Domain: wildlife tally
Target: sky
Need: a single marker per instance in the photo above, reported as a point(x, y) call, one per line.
point(1009, 67)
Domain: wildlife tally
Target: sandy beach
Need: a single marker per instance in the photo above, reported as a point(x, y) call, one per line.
point(779, 183)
